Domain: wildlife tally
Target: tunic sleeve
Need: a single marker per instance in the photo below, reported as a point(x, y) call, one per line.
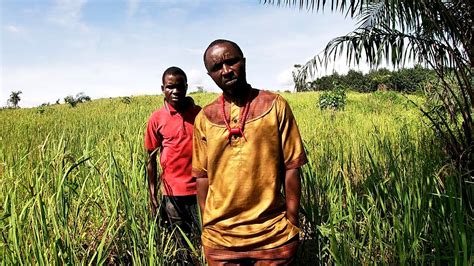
point(294, 155)
point(199, 169)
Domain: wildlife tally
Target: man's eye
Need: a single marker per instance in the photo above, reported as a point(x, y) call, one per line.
point(232, 61)
point(172, 87)
point(216, 67)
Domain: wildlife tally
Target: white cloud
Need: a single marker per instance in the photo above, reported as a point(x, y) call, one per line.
point(96, 80)
point(132, 7)
point(67, 13)
point(121, 59)
point(3, 98)
point(285, 79)
point(18, 32)
point(13, 29)
point(31, 11)
point(176, 12)
point(194, 51)
point(195, 77)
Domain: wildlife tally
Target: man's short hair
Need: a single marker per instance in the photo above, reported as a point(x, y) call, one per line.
point(220, 41)
point(175, 71)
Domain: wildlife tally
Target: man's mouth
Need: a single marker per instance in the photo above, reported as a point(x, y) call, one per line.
point(230, 81)
point(176, 97)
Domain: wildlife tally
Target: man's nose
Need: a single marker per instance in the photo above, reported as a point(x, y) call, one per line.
point(226, 69)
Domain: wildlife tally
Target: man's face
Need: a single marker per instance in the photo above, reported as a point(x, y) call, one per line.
point(226, 66)
point(174, 88)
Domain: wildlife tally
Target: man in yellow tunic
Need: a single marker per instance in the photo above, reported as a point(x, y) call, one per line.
point(246, 145)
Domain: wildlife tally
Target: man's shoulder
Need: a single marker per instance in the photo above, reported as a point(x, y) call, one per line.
point(158, 117)
point(265, 98)
point(211, 111)
point(261, 103)
point(158, 112)
point(212, 105)
point(194, 109)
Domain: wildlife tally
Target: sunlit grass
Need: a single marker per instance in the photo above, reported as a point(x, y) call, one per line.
point(73, 185)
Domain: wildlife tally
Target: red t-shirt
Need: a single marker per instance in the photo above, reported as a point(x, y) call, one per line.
point(172, 133)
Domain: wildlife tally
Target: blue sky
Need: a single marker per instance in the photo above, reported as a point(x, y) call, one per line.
point(105, 48)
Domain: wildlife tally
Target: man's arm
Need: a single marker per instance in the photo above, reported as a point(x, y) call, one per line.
point(202, 186)
point(292, 195)
point(152, 180)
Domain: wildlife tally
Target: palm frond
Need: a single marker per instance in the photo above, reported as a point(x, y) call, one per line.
point(352, 7)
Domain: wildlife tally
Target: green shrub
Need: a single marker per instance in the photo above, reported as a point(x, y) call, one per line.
point(333, 99)
point(40, 110)
point(70, 100)
point(388, 96)
point(356, 81)
point(126, 100)
point(80, 98)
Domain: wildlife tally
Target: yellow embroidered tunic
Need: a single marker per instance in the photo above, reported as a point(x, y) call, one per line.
point(245, 207)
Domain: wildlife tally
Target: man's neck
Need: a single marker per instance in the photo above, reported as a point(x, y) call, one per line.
point(241, 98)
point(181, 106)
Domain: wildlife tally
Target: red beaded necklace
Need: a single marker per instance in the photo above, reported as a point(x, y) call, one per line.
point(243, 118)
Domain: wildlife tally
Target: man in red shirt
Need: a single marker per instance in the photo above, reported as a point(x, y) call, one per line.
point(170, 133)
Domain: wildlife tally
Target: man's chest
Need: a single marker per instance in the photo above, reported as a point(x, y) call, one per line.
point(175, 129)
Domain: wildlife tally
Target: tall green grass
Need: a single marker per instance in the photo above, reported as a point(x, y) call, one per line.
point(376, 190)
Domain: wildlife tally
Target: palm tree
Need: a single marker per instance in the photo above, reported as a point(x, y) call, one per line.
point(437, 33)
point(15, 98)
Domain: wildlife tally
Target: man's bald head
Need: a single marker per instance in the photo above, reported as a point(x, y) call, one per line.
point(221, 41)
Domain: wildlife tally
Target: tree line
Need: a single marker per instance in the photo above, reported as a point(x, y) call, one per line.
point(405, 80)
point(14, 99)
point(435, 33)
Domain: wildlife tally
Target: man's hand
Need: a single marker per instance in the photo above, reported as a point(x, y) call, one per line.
point(154, 204)
point(202, 186)
point(292, 195)
point(152, 181)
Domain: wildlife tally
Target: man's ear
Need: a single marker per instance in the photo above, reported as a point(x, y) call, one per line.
point(162, 88)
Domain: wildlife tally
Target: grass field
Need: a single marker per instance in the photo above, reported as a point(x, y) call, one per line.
point(376, 189)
